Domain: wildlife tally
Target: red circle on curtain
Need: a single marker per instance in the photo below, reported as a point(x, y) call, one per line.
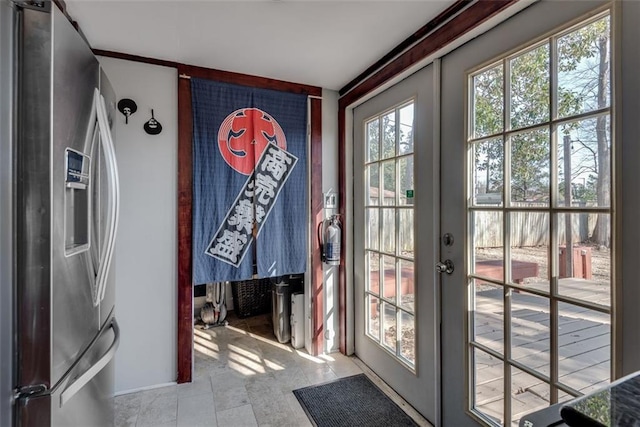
point(245, 134)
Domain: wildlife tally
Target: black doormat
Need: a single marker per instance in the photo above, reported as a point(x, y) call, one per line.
point(351, 402)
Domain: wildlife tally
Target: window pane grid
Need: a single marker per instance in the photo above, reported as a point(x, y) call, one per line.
point(548, 182)
point(389, 289)
point(557, 121)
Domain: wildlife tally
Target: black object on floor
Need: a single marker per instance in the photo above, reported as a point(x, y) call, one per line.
point(351, 402)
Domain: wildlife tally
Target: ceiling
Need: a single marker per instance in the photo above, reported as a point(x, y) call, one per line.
point(324, 43)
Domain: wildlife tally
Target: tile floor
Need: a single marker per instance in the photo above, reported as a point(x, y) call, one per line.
point(242, 377)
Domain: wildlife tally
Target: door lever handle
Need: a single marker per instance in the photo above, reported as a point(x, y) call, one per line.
point(445, 267)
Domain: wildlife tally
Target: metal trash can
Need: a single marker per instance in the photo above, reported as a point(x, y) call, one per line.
point(281, 310)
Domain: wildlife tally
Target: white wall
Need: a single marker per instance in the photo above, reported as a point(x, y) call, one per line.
point(330, 182)
point(146, 252)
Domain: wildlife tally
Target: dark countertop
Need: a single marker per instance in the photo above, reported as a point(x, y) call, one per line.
point(616, 405)
point(547, 417)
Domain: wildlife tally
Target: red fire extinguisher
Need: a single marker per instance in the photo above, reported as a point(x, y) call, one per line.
point(330, 239)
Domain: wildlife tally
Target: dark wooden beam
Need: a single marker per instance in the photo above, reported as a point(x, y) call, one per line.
point(317, 215)
point(185, 206)
point(249, 80)
point(462, 23)
point(135, 58)
point(218, 75)
point(62, 5)
point(443, 17)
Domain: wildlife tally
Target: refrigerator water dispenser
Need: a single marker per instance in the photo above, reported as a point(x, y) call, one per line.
point(76, 202)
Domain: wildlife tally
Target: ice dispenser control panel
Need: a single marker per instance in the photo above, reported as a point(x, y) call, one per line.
point(77, 166)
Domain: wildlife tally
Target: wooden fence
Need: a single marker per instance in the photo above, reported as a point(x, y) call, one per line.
point(530, 228)
point(527, 229)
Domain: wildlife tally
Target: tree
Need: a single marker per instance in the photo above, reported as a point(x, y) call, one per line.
point(583, 85)
point(386, 144)
point(585, 59)
point(529, 102)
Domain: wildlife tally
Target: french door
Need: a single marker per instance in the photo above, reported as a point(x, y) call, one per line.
point(395, 224)
point(526, 160)
point(518, 176)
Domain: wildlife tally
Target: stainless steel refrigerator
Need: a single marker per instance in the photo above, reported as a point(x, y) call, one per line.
point(60, 197)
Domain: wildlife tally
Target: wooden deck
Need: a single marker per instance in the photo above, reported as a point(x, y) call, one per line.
point(584, 345)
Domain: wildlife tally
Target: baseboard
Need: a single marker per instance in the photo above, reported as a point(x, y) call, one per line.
point(149, 387)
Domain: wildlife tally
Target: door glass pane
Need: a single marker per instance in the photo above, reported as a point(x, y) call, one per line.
point(389, 326)
point(373, 276)
point(488, 244)
point(488, 315)
point(407, 336)
point(530, 249)
point(488, 102)
point(372, 188)
point(407, 285)
point(530, 170)
point(371, 228)
point(584, 348)
point(406, 129)
point(563, 397)
point(530, 333)
point(530, 87)
point(584, 69)
point(405, 180)
point(528, 394)
point(488, 175)
point(584, 163)
point(389, 135)
point(389, 278)
point(405, 233)
point(389, 230)
point(373, 316)
point(584, 273)
point(373, 140)
point(388, 197)
point(488, 396)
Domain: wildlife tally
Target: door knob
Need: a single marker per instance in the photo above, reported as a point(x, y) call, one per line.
point(445, 267)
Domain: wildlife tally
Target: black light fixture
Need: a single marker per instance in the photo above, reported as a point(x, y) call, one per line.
point(152, 127)
point(127, 107)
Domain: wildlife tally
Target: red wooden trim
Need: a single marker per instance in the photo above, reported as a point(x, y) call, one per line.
point(62, 5)
point(185, 285)
point(346, 223)
point(185, 202)
point(249, 80)
point(63, 8)
point(443, 17)
point(461, 24)
point(464, 22)
point(317, 211)
point(135, 58)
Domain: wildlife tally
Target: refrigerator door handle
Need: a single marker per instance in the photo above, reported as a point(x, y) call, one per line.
point(85, 378)
point(113, 203)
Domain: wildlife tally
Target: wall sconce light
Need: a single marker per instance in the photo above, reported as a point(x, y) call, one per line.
point(127, 107)
point(152, 127)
